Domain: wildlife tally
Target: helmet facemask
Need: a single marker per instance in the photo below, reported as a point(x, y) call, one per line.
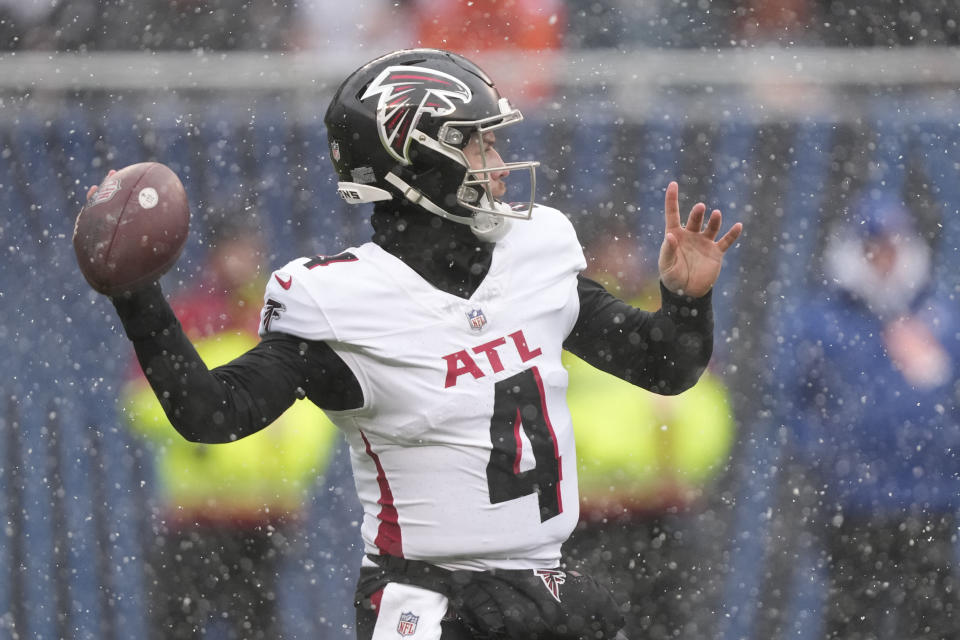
point(481, 210)
point(399, 128)
point(475, 192)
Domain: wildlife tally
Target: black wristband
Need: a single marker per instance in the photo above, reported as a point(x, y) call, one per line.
point(145, 313)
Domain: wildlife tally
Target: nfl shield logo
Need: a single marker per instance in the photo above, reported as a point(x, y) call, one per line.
point(408, 624)
point(335, 150)
point(105, 192)
point(477, 319)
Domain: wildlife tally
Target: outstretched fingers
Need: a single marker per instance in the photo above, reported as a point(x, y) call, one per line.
point(730, 237)
point(671, 206)
point(713, 228)
point(713, 224)
point(695, 219)
point(695, 224)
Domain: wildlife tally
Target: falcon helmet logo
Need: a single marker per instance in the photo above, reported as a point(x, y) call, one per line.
point(551, 580)
point(406, 93)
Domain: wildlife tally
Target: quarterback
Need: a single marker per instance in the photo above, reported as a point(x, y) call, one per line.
point(436, 348)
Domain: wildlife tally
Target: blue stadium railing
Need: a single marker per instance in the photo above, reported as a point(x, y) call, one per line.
point(75, 488)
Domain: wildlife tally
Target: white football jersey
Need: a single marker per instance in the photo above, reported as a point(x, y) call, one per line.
point(463, 453)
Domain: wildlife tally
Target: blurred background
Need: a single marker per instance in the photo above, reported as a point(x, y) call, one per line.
point(811, 121)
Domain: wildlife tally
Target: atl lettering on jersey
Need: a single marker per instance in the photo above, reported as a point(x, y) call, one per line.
point(461, 363)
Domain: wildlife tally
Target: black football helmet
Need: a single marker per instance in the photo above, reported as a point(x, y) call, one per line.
point(397, 128)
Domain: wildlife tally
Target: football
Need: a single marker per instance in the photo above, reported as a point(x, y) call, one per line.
point(132, 228)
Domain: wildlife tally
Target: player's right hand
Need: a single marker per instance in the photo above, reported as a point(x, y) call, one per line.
point(132, 228)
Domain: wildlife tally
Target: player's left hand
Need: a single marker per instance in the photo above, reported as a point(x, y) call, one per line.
point(690, 257)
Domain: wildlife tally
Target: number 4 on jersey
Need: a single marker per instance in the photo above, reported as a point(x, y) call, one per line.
point(519, 403)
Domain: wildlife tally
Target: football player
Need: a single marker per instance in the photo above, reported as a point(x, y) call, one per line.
point(436, 347)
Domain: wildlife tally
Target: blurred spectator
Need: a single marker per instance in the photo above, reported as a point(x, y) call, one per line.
point(889, 23)
point(219, 25)
point(602, 24)
point(377, 26)
point(783, 22)
point(227, 511)
point(26, 24)
point(370, 27)
point(528, 31)
point(156, 25)
point(638, 24)
point(644, 461)
point(869, 384)
point(474, 26)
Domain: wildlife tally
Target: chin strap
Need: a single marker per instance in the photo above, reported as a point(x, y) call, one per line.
point(486, 226)
point(489, 227)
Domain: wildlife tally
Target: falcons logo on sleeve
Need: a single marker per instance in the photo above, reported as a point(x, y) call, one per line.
point(406, 93)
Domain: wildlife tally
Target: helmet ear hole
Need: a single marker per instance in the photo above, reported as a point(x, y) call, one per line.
point(453, 137)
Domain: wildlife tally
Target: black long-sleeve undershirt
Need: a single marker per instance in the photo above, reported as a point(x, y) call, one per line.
point(241, 397)
point(663, 351)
